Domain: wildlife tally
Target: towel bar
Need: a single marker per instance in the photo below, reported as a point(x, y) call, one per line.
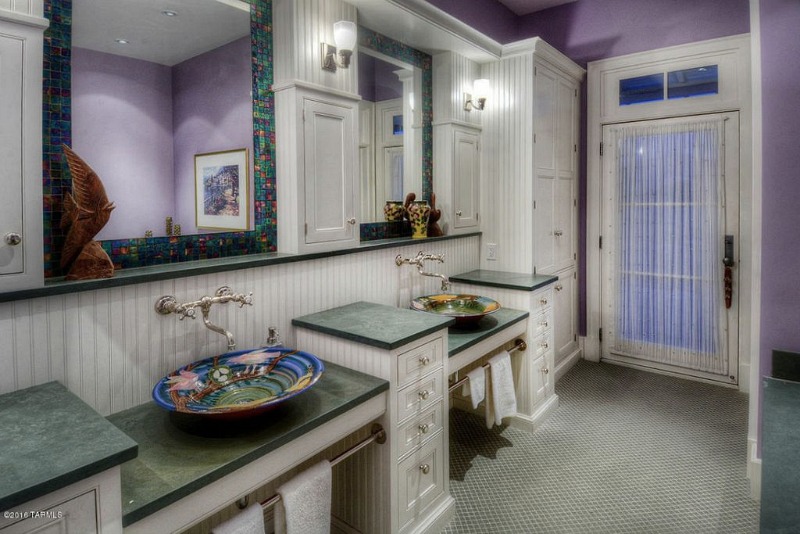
point(518, 345)
point(377, 435)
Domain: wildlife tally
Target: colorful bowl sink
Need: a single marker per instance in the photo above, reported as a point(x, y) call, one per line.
point(467, 310)
point(238, 384)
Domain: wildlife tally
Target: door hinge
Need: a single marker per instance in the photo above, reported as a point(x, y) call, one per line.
point(575, 337)
point(534, 204)
point(534, 138)
point(477, 216)
point(576, 93)
point(575, 148)
point(575, 275)
point(574, 256)
point(601, 241)
point(601, 150)
point(600, 335)
point(575, 202)
point(306, 228)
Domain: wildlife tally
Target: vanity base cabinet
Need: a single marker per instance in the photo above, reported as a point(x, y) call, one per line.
point(416, 486)
point(565, 313)
point(21, 260)
point(92, 505)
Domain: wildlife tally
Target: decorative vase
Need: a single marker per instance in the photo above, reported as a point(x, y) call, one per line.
point(394, 210)
point(418, 212)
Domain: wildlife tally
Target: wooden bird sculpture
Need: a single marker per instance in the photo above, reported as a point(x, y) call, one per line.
point(434, 230)
point(86, 212)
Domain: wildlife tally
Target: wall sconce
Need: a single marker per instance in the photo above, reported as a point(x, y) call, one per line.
point(344, 35)
point(478, 99)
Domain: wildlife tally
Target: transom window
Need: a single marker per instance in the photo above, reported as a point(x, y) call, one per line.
point(684, 83)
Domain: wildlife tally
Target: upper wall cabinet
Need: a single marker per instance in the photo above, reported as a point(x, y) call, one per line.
point(466, 178)
point(316, 130)
point(21, 150)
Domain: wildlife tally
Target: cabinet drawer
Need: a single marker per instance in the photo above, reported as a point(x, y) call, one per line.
point(78, 514)
point(542, 344)
point(542, 323)
point(419, 396)
point(420, 429)
point(421, 480)
point(419, 361)
point(542, 301)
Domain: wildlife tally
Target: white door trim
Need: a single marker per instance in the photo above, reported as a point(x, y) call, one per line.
point(738, 98)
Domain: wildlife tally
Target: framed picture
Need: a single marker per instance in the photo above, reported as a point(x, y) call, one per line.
point(222, 200)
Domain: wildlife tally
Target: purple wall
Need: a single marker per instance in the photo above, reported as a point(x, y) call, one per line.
point(213, 111)
point(135, 160)
point(376, 79)
point(780, 257)
point(489, 17)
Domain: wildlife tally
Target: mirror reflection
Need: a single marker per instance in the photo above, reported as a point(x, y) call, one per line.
point(153, 85)
point(390, 132)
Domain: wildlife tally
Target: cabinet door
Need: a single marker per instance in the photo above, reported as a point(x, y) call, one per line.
point(78, 514)
point(11, 201)
point(565, 192)
point(329, 174)
point(565, 315)
point(466, 175)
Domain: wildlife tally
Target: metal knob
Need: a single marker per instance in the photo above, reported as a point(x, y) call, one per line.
point(559, 287)
point(425, 468)
point(558, 233)
point(544, 344)
point(351, 220)
point(459, 213)
point(424, 394)
point(543, 302)
point(545, 370)
point(424, 429)
point(424, 360)
point(13, 239)
point(543, 323)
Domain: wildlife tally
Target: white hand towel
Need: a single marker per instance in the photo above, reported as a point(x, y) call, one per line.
point(504, 400)
point(305, 505)
point(475, 387)
point(250, 521)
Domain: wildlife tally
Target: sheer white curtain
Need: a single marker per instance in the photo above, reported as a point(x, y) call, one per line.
point(669, 244)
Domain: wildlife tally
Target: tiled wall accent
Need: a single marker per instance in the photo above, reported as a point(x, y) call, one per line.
point(129, 253)
point(386, 45)
point(109, 346)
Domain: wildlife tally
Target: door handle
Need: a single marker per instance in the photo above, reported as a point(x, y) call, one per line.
point(728, 262)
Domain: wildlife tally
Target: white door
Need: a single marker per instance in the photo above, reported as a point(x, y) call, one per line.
point(670, 205)
point(466, 179)
point(11, 258)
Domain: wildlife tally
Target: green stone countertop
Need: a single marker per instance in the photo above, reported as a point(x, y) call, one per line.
point(505, 280)
point(460, 339)
point(178, 456)
point(51, 439)
point(377, 325)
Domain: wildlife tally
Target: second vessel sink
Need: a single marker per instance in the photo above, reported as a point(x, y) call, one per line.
point(467, 310)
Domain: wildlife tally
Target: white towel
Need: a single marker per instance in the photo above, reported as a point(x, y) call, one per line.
point(501, 401)
point(475, 387)
point(305, 505)
point(250, 521)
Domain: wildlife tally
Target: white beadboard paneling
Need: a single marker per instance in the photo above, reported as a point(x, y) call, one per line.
point(110, 347)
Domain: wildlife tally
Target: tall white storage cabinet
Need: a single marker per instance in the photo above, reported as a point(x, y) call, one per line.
point(529, 188)
point(21, 146)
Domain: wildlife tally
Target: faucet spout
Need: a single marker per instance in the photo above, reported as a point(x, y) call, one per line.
point(419, 260)
point(218, 329)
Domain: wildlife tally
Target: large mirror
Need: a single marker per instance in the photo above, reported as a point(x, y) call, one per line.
point(158, 87)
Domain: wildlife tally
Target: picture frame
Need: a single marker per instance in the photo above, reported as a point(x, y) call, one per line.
point(222, 197)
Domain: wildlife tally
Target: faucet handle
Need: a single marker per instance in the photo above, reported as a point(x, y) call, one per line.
point(273, 337)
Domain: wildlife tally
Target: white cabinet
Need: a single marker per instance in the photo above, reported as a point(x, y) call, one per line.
point(317, 169)
point(565, 313)
point(21, 260)
point(92, 505)
point(466, 178)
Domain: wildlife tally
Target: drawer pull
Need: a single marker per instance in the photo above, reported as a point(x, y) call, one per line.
point(559, 287)
point(12, 239)
point(425, 468)
point(543, 302)
point(351, 220)
point(545, 370)
point(424, 360)
point(424, 428)
point(544, 344)
point(424, 394)
point(459, 213)
point(543, 323)
point(558, 233)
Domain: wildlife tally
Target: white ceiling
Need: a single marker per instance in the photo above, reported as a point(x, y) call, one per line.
point(201, 25)
point(523, 7)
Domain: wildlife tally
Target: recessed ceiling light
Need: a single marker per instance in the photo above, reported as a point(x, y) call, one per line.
point(169, 13)
point(122, 41)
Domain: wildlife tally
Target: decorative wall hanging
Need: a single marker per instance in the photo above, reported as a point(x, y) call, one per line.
point(221, 196)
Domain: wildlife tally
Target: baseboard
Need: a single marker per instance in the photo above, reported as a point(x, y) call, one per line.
point(529, 423)
point(438, 518)
point(567, 363)
point(754, 469)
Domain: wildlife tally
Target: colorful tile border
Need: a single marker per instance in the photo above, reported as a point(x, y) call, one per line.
point(140, 252)
point(388, 46)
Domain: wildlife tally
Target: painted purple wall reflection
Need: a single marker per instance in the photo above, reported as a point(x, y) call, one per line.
point(377, 80)
point(139, 125)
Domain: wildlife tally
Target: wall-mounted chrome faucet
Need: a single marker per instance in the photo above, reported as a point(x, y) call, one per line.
point(419, 259)
point(169, 304)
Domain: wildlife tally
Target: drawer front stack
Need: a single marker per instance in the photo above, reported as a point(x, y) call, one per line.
point(420, 433)
point(542, 342)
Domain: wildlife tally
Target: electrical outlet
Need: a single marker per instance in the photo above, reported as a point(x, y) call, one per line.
point(491, 251)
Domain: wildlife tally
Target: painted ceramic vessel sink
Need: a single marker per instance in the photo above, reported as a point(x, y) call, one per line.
point(238, 384)
point(465, 309)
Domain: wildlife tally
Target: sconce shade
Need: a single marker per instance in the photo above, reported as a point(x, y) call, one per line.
point(344, 35)
point(481, 88)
